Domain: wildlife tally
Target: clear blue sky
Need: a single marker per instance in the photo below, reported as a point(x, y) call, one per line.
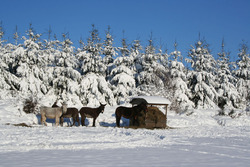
point(169, 20)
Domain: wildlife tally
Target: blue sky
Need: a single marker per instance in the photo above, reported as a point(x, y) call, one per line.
point(168, 20)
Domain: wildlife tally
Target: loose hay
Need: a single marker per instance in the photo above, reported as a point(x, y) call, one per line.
point(20, 124)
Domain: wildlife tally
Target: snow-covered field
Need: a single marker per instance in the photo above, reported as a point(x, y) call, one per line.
point(197, 138)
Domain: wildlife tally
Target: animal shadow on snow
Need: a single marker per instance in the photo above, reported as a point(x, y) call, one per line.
point(66, 121)
point(125, 122)
point(106, 124)
point(86, 121)
point(51, 121)
point(69, 122)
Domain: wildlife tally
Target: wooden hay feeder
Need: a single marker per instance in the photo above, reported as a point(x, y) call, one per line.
point(154, 118)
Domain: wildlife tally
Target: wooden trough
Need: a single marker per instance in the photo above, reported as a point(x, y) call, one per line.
point(154, 118)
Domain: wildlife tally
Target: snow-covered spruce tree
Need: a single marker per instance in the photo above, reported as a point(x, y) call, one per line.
point(51, 50)
point(181, 93)
point(28, 65)
point(93, 86)
point(243, 74)
point(124, 50)
point(147, 80)
point(123, 80)
point(1, 34)
point(228, 94)
point(66, 77)
point(163, 58)
point(91, 61)
point(16, 36)
point(8, 80)
point(3, 65)
point(109, 52)
point(164, 73)
point(81, 54)
point(66, 57)
point(8, 55)
point(135, 54)
point(3, 59)
point(202, 80)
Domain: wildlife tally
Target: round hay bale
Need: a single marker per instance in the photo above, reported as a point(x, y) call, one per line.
point(154, 114)
point(155, 118)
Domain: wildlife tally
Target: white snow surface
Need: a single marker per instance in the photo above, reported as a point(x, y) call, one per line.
point(197, 138)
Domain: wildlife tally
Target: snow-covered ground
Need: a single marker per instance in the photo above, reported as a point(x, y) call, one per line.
point(197, 138)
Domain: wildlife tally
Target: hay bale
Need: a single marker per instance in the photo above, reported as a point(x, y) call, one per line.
point(154, 114)
point(155, 118)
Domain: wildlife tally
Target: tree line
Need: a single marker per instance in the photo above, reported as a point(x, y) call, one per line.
point(97, 71)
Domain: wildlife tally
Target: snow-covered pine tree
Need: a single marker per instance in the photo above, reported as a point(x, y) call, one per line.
point(1, 33)
point(243, 63)
point(124, 50)
point(181, 93)
point(164, 72)
point(123, 80)
point(4, 86)
point(148, 82)
point(50, 52)
point(8, 80)
point(66, 77)
point(135, 52)
point(2, 51)
point(81, 54)
point(92, 60)
point(16, 36)
point(66, 57)
point(202, 79)
point(29, 65)
point(228, 94)
point(109, 52)
point(243, 74)
point(93, 87)
point(163, 57)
